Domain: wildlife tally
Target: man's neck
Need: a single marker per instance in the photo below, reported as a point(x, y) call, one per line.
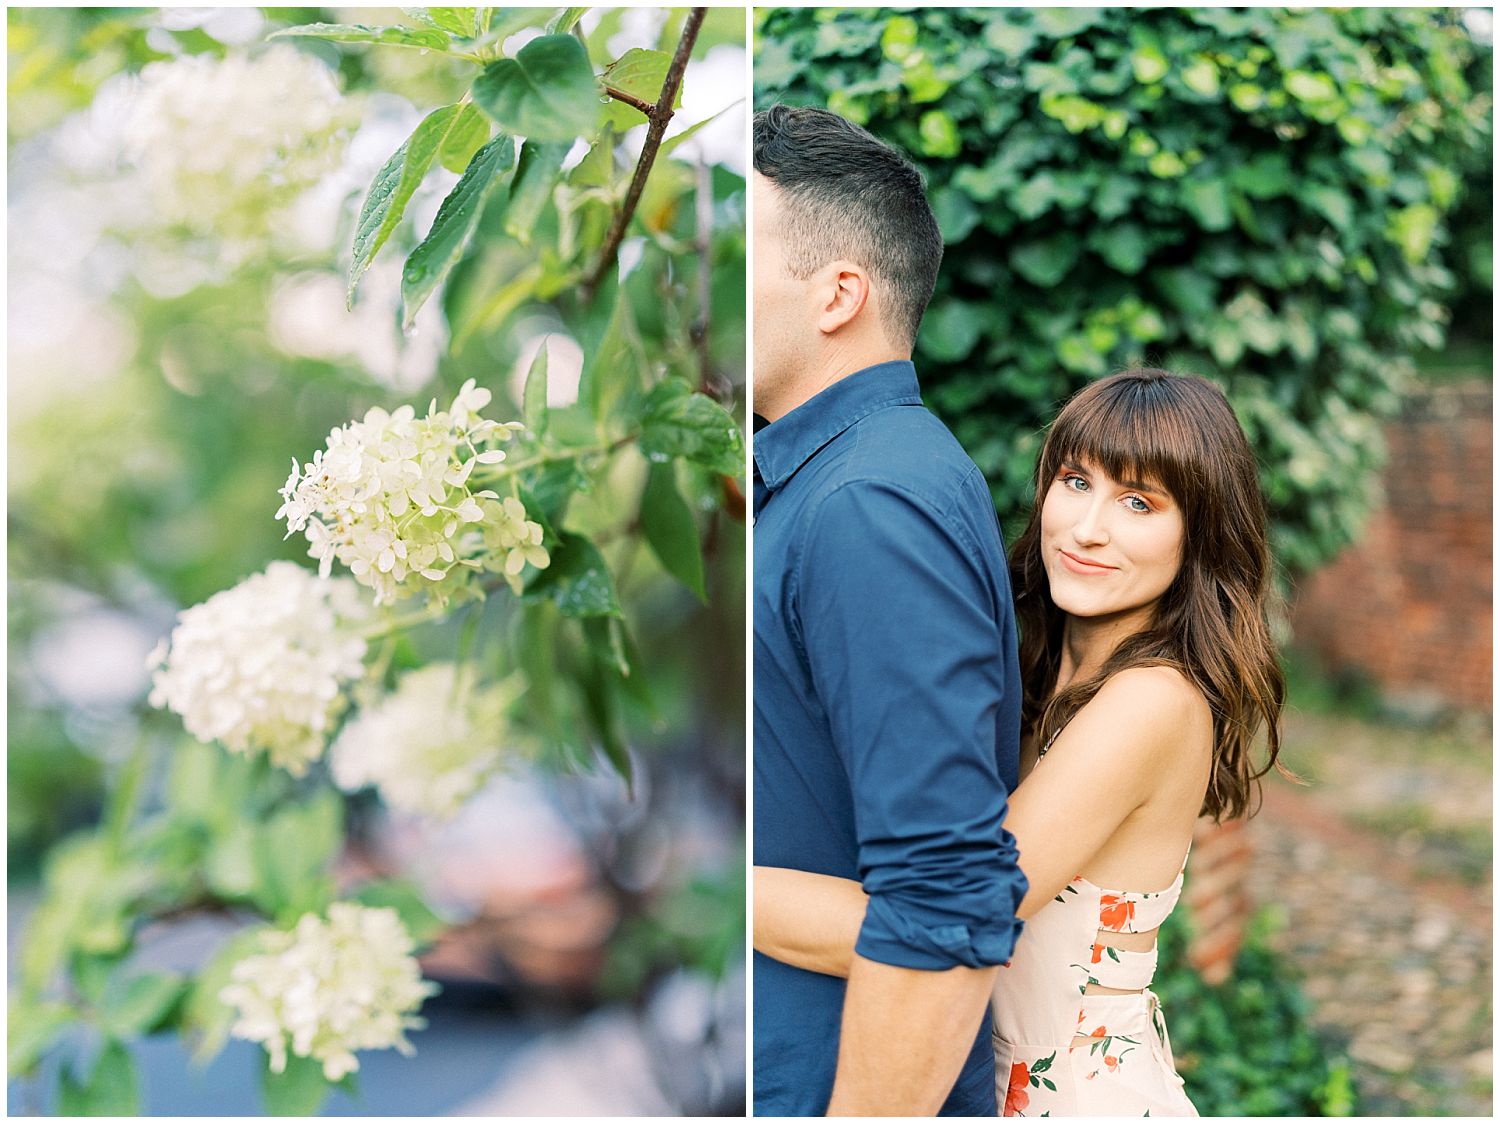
point(834, 365)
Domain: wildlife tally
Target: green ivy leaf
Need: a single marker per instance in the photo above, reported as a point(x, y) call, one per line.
point(678, 422)
point(537, 171)
point(669, 527)
point(1047, 261)
point(299, 1090)
point(421, 922)
point(546, 93)
point(426, 39)
point(456, 219)
point(578, 580)
point(140, 1004)
point(111, 1088)
point(951, 330)
point(1208, 202)
point(398, 179)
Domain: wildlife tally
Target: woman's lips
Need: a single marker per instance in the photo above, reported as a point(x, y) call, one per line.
point(1083, 566)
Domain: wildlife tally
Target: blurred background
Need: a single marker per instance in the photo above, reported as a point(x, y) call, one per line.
point(159, 384)
point(1296, 204)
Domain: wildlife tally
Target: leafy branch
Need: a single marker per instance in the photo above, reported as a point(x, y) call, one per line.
point(660, 116)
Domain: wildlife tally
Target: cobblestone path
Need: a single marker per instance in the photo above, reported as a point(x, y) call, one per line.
point(1380, 870)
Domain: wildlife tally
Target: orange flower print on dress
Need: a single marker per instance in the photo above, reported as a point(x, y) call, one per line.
point(1115, 912)
point(1016, 1097)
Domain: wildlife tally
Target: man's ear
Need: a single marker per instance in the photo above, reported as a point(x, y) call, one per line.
point(844, 294)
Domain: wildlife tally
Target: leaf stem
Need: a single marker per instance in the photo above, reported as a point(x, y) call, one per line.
point(660, 116)
point(630, 99)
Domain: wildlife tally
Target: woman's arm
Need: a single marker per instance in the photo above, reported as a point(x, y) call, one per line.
point(1111, 757)
point(807, 920)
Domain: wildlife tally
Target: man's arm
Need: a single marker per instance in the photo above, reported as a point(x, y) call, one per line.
point(899, 615)
point(905, 1036)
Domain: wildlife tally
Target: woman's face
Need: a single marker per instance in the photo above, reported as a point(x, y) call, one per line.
point(1111, 547)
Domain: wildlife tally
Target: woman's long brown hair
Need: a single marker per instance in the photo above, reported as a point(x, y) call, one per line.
point(1212, 623)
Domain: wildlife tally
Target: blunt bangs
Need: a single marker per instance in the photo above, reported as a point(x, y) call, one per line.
point(1146, 426)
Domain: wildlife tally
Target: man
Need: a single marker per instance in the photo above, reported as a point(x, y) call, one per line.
point(887, 694)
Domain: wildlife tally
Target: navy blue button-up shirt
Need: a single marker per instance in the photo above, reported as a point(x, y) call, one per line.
point(887, 709)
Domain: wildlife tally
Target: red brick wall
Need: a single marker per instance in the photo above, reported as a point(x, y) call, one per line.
point(1409, 604)
point(1217, 896)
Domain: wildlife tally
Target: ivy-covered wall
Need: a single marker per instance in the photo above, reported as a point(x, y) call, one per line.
point(1260, 196)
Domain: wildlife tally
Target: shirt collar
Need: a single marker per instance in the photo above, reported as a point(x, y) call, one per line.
point(789, 442)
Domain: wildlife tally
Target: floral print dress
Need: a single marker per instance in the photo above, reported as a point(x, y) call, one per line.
point(1062, 1052)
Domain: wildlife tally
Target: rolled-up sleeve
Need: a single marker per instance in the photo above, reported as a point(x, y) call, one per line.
point(904, 641)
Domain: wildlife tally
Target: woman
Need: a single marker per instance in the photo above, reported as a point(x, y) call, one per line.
point(1141, 586)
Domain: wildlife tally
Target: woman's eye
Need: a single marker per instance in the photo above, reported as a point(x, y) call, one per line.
point(1075, 483)
point(1135, 503)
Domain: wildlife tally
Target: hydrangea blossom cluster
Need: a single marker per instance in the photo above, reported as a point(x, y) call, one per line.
point(263, 665)
point(221, 147)
point(330, 987)
point(389, 497)
point(430, 744)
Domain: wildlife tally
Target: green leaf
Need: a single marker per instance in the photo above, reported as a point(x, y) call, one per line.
point(672, 143)
point(951, 330)
point(578, 580)
point(398, 179)
point(460, 21)
point(32, 1029)
point(549, 487)
point(299, 1090)
point(537, 171)
point(534, 396)
point(294, 854)
point(679, 422)
point(426, 39)
point(600, 686)
point(111, 1088)
point(140, 1004)
point(465, 135)
point(456, 219)
point(1149, 64)
point(421, 922)
point(1208, 202)
point(565, 20)
point(940, 136)
point(206, 1019)
point(642, 74)
point(1046, 262)
point(669, 527)
point(546, 93)
point(1124, 246)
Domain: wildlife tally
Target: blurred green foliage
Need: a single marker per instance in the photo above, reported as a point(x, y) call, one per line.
point(1247, 1047)
point(148, 482)
point(1262, 196)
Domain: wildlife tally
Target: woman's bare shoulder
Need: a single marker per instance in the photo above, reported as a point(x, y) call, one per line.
point(1160, 704)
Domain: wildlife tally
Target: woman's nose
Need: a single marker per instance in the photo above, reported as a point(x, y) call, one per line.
point(1090, 528)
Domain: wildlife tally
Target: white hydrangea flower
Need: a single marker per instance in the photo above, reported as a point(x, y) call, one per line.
point(431, 743)
point(223, 147)
point(263, 665)
point(328, 988)
point(389, 497)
